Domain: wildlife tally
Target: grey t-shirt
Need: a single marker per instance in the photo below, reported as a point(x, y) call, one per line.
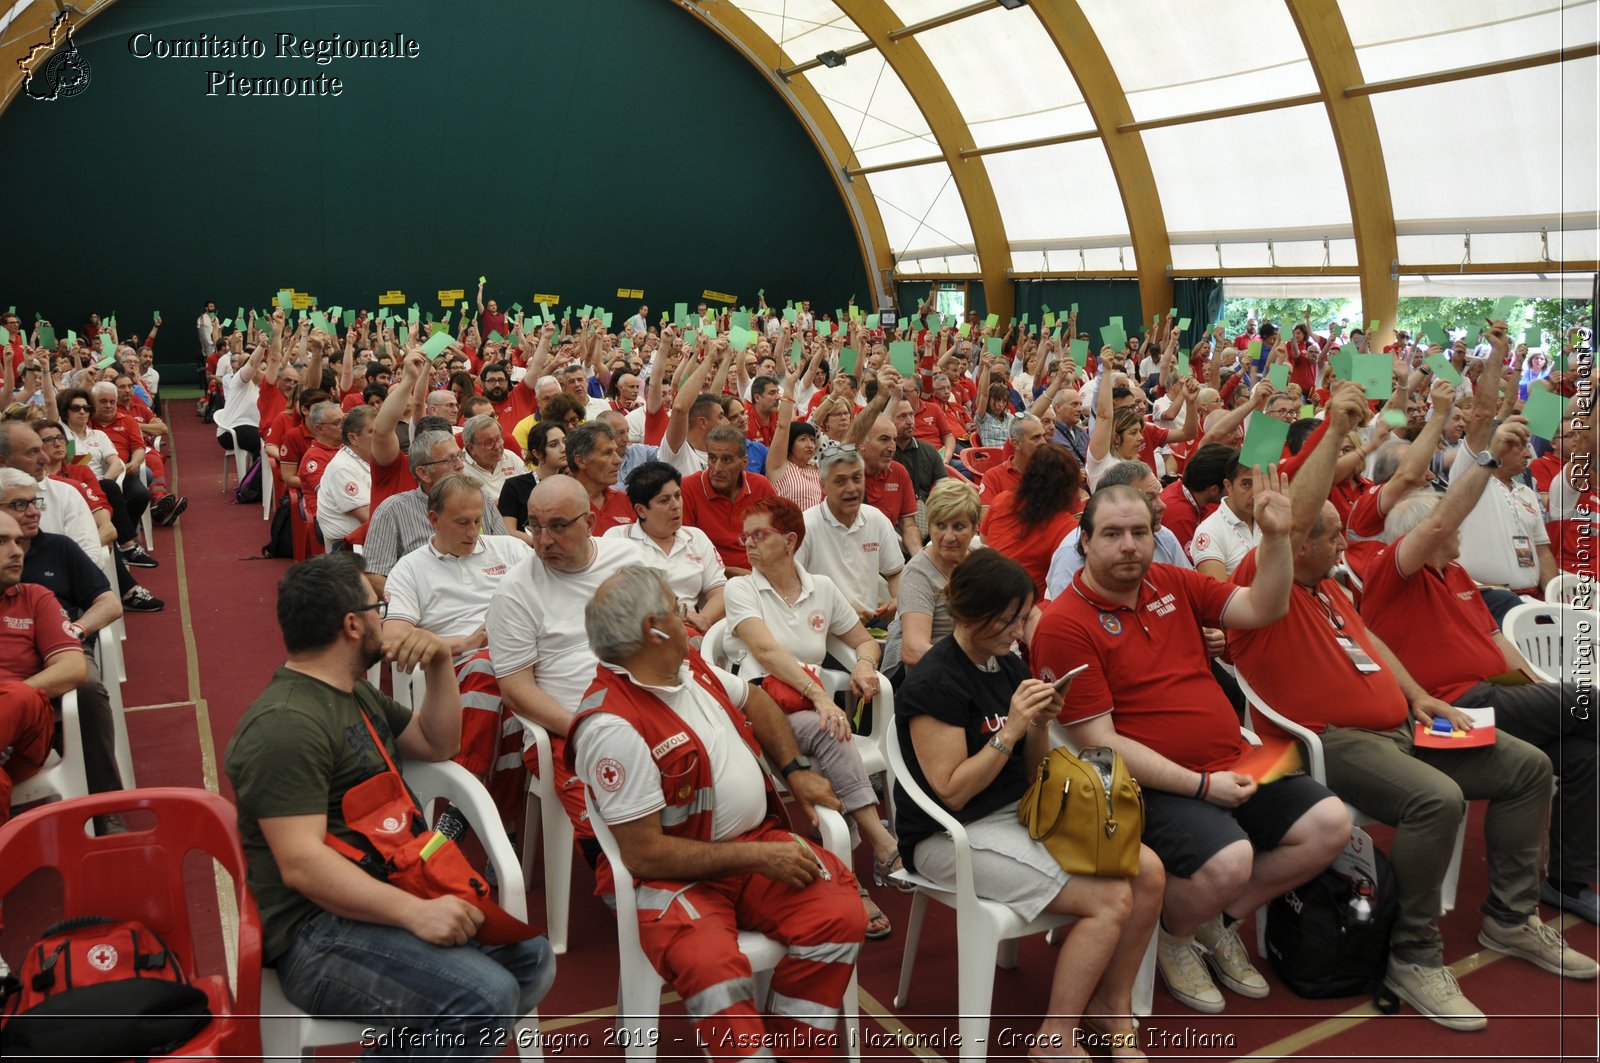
point(921, 591)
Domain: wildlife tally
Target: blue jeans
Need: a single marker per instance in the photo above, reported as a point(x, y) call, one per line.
point(454, 1003)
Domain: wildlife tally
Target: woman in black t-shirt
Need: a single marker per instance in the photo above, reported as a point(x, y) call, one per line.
point(974, 727)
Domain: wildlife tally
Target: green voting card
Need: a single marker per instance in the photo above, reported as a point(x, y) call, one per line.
point(903, 356)
point(1263, 443)
point(1544, 411)
point(1278, 375)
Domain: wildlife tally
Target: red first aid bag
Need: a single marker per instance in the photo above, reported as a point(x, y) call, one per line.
point(94, 987)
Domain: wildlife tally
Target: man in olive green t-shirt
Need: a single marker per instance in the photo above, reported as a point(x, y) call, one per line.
point(344, 942)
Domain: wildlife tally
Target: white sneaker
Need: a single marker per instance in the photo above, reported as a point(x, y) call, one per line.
point(1433, 992)
point(1225, 954)
point(1540, 945)
point(1181, 968)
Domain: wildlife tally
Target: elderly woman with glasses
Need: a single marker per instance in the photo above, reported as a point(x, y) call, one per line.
point(781, 616)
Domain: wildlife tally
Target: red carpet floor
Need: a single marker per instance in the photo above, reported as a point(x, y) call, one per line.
point(199, 664)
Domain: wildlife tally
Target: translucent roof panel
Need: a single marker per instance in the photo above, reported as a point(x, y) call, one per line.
point(1029, 95)
point(1178, 56)
point(1088, 261)
point(1064, 192)
point(922, 211)
point(878, 116)
point(803, 27)
point(1498, 247)
point(938, 264)
point(1227, 176)
point(1422, 36)
point(1518, 144)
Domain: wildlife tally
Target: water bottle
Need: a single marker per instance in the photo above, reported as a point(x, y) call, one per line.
point(1361, 900)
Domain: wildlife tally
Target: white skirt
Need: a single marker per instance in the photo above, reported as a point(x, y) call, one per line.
point(1007, 865)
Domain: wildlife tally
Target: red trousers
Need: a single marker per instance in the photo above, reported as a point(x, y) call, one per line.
point(27, 723)
point(690, 931)
point(491, 736)
point(569, 788)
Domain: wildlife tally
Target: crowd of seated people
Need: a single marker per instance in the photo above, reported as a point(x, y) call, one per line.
point(552, 513)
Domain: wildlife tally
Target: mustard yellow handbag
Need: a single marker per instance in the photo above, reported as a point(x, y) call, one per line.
point(1087, 810)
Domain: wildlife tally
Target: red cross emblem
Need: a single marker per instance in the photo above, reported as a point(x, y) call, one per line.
point(611, 774)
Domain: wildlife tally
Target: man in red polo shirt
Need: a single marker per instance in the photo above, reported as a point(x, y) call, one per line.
point(762, 410)
point(40, 659)
point(889, 486)
point(1321, 667)
point(1027, 435)
point(1193, 498)
point(515, 402)
point(327, 422)
point(1228, 844)
point(391, 473)
point(930, 424)
point(594, 461)
point(1399, 469)
point(1459, 652)
point(715, 498)
point(128, 437)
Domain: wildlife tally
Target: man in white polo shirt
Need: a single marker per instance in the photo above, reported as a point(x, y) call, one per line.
point(850, 542)
point(344, 495)
point(445, 586)
point(1222, 539)
point(535, 630)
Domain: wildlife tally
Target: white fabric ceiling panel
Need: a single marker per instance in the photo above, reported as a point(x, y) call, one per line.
point(960, 264)
point(1178, 56)
point(803, 27)
point(1396, 40)
point(873, 108)
point(1060, 192)
point(1094, 260)
point(1243, 175)
point(922, 210)
point(1497, 247)
point(1195, 256)
point(1517, 144)
point(1030, 94)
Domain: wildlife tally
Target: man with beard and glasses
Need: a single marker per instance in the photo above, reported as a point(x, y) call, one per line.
point(345, 943)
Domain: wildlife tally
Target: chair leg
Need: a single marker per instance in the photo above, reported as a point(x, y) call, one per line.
point(532, 819)
point(557, 871)
point(1144, 983)
point(919, 912)
point(530, 1049)
point(1006, 957)
point(977, 951)
point(851, 1011)
point(1452, 874)
point(1261, 932)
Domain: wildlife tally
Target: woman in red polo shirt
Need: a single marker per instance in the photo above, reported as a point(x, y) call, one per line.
point(1029, 523)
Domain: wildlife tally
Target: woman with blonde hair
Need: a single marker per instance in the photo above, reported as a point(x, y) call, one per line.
point(923, 618)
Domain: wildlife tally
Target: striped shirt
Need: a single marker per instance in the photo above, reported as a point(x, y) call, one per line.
point(400, 525)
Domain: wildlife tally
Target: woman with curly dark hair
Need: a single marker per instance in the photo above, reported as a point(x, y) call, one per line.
point(1027, 524)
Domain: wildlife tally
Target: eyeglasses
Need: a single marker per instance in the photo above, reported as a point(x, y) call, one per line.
point(52, 440)
point(380, 607)
point(76, 408)
point(555, 527)
point(458, 460)
point(755, 536)
point(847, 449)
point(22, 505)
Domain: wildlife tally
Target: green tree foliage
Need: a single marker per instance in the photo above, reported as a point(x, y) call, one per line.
point(1551, 316)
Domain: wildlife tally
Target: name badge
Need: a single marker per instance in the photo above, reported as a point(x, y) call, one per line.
point(1524, 547)
point(1358, 656)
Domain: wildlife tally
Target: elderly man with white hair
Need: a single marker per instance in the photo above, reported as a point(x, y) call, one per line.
point(670, 749)
point(488, 460)
point(442, 402)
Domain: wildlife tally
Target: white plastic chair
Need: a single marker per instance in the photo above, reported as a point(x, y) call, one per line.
point(1316, 767)
point(1554, 638)
point(62, 778)
point(109, 568)
point(109, 658)
point(287, 1032)
point(409, 687)
point(639, 986)
point(267, 493)
point(241, 463)
point(1569, 588)
point(986, 931)
point(543, 813)
point(715, 649)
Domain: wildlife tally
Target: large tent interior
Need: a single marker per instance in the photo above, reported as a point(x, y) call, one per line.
point(990, 157)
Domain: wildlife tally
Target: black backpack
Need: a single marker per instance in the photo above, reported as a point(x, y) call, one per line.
point(1318, 946)
point(248, 493)
point(282, 542)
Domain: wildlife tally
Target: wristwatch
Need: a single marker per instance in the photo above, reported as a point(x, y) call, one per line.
point(799, 763)
point(1488, 460)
